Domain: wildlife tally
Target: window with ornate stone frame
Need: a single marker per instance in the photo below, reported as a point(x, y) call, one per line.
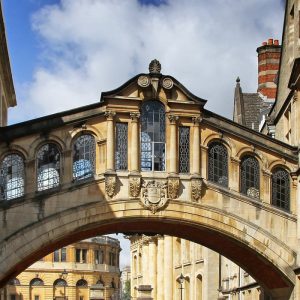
point(12, 177)
point(84, 157)
point(184, 149)
point(281, 188)
point(36, 282)
point(153, 136)
point(249, 176)
point(48, 167)
point(218, 163)
point(121, 157)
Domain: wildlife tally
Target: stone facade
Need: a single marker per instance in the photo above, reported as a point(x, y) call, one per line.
point(7, 91)
point(113, 167)
point(85, 270)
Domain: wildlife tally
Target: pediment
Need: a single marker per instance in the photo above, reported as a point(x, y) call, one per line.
point(153, 85)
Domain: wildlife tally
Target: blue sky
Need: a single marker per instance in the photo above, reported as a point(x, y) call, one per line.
point(64, 53)
point(56, 45)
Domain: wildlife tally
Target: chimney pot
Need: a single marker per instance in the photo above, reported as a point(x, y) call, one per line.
point(276, 42)
point(264, 43)
point(270, 41)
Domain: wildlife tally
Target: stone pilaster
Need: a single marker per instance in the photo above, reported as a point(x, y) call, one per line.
point(168, 268)
point(196, 146)
point(145, 263)
point(173, 144)
point(110, 142)
point(265, 195)
point(160, 268)
point(234, 171)
point(152, 267)
point(134, 148)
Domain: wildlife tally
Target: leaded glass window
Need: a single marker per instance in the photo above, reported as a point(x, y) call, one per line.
point(12, 177)
point(84, 156)
point(60, 282)
point(121, 146)
point(250, 176)
point(82, 283)
point(281, 188)
point(36, 282)
point(184, 149)
point(48, 167)
point(218, 163)
point(153, 127)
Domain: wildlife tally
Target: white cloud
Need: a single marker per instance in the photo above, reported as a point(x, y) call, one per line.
point(91, 46)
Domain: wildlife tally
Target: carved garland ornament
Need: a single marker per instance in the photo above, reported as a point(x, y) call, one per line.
point(173, 187)
point(197, 187)
point(110, 185)
point(134, 186)
point(154, 195)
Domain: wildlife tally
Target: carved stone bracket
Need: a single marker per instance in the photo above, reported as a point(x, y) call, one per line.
point(173, 187)
point(110, 184)
point(197, 186)
point(135, 182)
point(154, 195)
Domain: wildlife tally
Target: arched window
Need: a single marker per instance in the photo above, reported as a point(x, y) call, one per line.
point(218, 163)
point(12, 177)
point(84, 156)
point(81, 283)
point(153, 138)
point(14, 281)
point(48, 167)
point(250, 176)
point(36, 282)
point(60, 282)
point(281, 188)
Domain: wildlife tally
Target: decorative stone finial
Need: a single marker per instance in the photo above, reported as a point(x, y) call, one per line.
point(155, 67)
point(238, 80)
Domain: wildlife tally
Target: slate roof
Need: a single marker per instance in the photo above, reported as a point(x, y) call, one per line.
point(253, 104)
point(249, 108)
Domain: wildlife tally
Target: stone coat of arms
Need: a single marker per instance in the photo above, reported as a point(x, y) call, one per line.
point(154, 195)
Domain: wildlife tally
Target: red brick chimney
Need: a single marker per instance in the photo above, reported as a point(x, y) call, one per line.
point(268, 66)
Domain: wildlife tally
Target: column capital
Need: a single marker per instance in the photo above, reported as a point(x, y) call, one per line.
point(135, 116)
point(197, 120)
point(173, 119)
point(109, 114)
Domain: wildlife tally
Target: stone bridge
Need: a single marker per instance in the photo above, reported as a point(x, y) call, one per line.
point(149, 158)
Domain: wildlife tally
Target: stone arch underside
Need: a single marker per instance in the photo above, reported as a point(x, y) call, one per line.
point(264, 257)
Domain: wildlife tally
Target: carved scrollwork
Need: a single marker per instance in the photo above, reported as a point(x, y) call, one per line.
point(167, 83)
point(173, 187)
point(110, 185)
point(154, 195)
point(134, 186)
point(197, 188)
point(143, 81)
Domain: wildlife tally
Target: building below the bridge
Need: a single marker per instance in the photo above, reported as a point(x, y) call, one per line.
point(158, 262)
point(85, 270)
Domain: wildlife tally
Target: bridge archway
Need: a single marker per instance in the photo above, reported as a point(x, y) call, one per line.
point(265, 258)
